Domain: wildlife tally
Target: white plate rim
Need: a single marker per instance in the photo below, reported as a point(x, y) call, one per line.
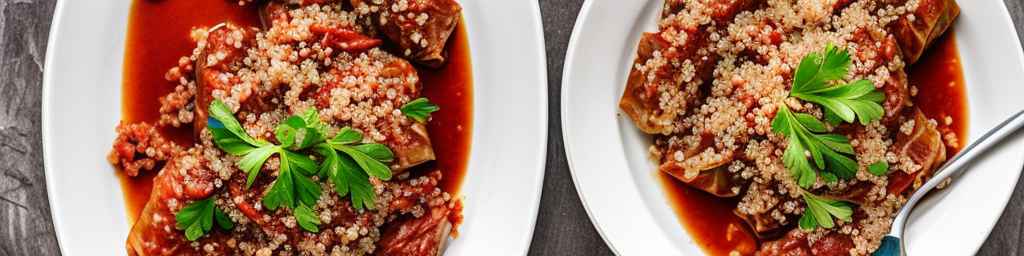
point(58, 12)
point(538, 167)
point(616, 243)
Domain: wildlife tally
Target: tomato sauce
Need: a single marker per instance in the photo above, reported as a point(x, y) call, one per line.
point(938, 77)
point(451, 88)
point(158, 35)
point(709, 219)
point(941, 92)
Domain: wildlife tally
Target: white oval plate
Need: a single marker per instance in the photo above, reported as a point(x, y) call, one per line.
point(501, 190)
point(608, 155)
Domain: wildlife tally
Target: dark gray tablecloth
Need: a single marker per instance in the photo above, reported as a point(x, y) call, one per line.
point(562, 225)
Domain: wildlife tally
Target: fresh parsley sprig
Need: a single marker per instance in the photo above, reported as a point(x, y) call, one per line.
point(349, 165)
point(197, 218)
point(847, 102)
point(817, 69)
point(820, 212)
point(347, 162)
point(831, 153)
point(229, 136)
point(419, 109)
point(293, 183)
point(811, 149)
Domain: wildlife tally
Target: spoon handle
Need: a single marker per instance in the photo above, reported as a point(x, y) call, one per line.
point(892, 244)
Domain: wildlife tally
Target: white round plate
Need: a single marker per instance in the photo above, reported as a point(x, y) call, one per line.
point(501, 190)
point(618, 184)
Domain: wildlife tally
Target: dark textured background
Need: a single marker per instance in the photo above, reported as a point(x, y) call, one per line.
point(562, 226)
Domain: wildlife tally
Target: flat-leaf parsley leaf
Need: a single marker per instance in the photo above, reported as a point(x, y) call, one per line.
point(847, 102)
point(810, 147)
point(307, 219)
point(419, 109)
point(197, 218)
point(805, 135)
point(820, 212)
point(229, 136)
point(349, 166)
point(879, 168)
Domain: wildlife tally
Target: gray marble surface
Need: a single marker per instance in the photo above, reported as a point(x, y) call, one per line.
point(562, 225)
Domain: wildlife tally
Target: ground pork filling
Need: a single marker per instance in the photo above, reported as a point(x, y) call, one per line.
point(312, 56)
point(719, 119)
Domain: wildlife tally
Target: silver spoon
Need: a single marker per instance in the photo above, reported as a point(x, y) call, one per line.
point(892, 243)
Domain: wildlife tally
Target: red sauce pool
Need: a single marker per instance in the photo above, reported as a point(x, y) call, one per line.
point(709, 219)
point(941, 92)
point(158, 35)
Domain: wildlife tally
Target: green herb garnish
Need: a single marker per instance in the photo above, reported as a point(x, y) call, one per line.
point(229, 136)
point(816, 81)
point(348, 165)
point(879, 168)
point(307, 219)
point(293, 183)
point(846, 102)
point(820, 211)
point(419, 109)
point(831, 153)
point(291, 187)
point(811, 149)
point(197, 219)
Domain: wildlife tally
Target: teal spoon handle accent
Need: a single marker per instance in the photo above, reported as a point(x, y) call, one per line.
point(890, 247)
point(891, 244)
